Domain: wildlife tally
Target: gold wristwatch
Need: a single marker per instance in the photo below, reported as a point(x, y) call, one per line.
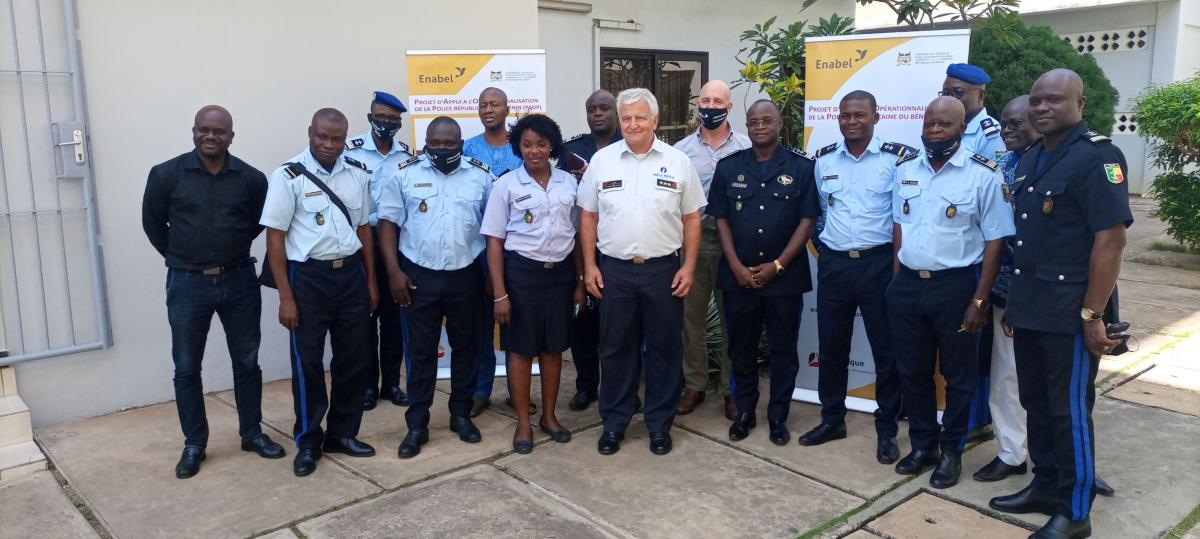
point(1088, 315)
point(980, 304)
point(778, 267)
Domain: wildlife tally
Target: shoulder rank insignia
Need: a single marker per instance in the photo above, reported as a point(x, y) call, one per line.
point(735, 154)
point(404, 147)
point(985, 161)
point(800, 153)
point(575, 138)
point(292, 170)
point(989, 126)
point(408, 161)
point(1096, 137)
point(908, 156)
point(826, 149)
point(478, 163)
point(897, 149)
point(355, 163)
point(355, 143)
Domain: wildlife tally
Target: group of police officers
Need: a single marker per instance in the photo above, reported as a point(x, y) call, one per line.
point(1008, 230)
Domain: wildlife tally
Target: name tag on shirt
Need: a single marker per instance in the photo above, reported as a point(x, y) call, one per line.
point(524, 198)
point(423, 185)
point(668, 184)
point(738, 185)
point(314, 194)
point(612, 184)
point(830, 177)
point(910, 182)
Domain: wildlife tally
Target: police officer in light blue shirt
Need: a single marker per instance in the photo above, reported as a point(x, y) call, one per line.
point(381, 151)
point(951, 222)
point(968, 84)
point(435, 204)
point(855, 177)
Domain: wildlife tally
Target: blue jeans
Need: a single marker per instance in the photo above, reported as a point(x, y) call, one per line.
point(192, 299)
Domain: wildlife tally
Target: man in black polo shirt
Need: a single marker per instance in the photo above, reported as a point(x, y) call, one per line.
point(201, 212)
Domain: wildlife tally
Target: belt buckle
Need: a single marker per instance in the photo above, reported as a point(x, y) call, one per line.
point(854, 253)
point(639, 260)
point(547, 265)
point(212, 271)
point(924, 274)
point(337, 264)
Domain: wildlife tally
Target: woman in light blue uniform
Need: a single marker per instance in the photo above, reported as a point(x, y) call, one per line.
point(532, 260)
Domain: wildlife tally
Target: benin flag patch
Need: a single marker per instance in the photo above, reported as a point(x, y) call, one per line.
point(1114, 173)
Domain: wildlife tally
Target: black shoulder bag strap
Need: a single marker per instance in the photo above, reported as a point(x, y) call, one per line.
point(267, 278)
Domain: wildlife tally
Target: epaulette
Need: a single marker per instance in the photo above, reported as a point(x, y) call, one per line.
point(990, 127)
point(292, 170)
point(478, 163)
point(355, 143)
point(355, 163)
point(1095, 137)
point(985, 161)
point(801, 153)
point(404, 147)
point(409, 161)
point(734, 154)
point(897, 149)
point(826, 149)
point(575, 138)
point(907, 157)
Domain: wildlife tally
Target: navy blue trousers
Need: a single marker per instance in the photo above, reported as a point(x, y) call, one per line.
point(745, 315)
point(386, 334)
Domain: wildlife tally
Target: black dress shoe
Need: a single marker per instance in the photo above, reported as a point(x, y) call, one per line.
point(1030, 499)
point(913, 463)
point(660, 443)
point(560, 435)
point(264, 446)
point(411, 446)
point(370, 399)
point(396, 395)
point(479, 403)
point(581, 401)
point(1061, 527)
point(823, 433)
point(1102, 488)
point(886, 450)
point(610, 442)
point(949, 467)
point(741, 426)
point(998, 469)
point(523, 447)
point(306, 462)
point(779, 432)
point(466, 430)
point(189, 462)
point(349, 446)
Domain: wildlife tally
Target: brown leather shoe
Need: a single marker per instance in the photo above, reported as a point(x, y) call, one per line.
point(730, 409)
point(689, 401)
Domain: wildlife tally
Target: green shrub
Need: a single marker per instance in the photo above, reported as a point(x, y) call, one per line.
point(1169, 116)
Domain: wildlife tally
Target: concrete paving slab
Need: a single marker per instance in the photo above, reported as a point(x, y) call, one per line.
point(499, 506)
point(1184, 401)
point(850, 464)
point(568, 418)
point(35, 506)
point(285, 533)
point(123, 466)
point(861, 534)
point(700, 489)
point(929, 517)
point(1148, 455)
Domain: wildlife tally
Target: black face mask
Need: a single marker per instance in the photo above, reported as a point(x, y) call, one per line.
point(384, 130)
point(443, 159)
point(941, 150)
point(712, 118)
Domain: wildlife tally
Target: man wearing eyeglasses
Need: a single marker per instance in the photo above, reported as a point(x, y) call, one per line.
point(382, 153)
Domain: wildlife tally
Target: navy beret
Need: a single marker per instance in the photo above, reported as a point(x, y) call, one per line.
point(384, 98)
point(968, 73)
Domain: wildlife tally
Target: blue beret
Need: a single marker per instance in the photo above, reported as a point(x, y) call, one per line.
point(968, 73)
point(384, 98)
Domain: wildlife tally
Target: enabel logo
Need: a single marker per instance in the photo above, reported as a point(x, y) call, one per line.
point(843, 63)
point(441, 78)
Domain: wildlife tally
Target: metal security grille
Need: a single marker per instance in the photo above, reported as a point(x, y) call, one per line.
point(674, 77)
point(52, 295)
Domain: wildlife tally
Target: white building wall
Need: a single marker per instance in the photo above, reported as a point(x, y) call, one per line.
point(149, 65)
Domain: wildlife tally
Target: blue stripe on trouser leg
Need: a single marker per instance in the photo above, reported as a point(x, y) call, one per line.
point(1081, 493)
point(299, 366)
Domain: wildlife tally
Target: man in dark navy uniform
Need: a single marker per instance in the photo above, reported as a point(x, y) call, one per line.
point(764, 200)
point(1072, 208)
point(601, 109)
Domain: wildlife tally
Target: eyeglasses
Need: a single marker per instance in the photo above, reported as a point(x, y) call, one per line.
point(956, 93)
point(1012, 124)
point(765, 122)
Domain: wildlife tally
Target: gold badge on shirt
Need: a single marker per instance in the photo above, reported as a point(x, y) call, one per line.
point(737, 206)
point(784, 179)
point(951, 211)
point(422, 207)
point(1048, 204)
point(528, 217)
point(320, 219)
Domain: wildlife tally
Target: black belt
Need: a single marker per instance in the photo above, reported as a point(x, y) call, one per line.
point(219, 270)
point(513, 256)
point(642, 260)
point(860, 253)
point(934, 274)
point(337, 263)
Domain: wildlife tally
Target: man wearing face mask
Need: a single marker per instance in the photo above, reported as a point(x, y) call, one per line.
point(422, 209)
point(713, 141)
point(951, 222)
point(381, 151)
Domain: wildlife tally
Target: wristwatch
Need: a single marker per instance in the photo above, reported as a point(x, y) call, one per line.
point(980, 304)
point(1088, 315)
point(778, 267)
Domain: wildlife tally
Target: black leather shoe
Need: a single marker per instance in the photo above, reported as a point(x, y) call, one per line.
point(1103, 488)
point(523, 447)
point(1028, 500)
point(479, 403)
point(779, 432)
point(998, 469)
point(610, 442)
point(949, 467)
point(306, 462)
point(1061, 527)
point(823, 433)
point(886, 450)
point(560, 435)
point(189, 462)
point(396, 395)
point(466, 430)
point(913, 463)
point(411, 446)
point(581, 401)
point(348, 446)
point(660, 443)
point(741, 426)
point(370, 399)
point(264, 446)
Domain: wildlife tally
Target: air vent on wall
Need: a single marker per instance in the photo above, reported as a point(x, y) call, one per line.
point(1119, 40)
